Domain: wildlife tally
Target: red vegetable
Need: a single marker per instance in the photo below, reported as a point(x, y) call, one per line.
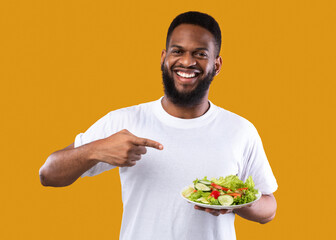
point(219, 187)
point(244, 188)
point(215, 194)
point(234, 194)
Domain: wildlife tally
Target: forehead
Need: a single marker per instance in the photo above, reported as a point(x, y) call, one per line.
point(193, 36)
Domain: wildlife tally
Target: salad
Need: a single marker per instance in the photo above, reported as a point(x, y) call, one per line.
point(224, 191)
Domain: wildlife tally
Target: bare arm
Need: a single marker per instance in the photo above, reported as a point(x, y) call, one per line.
point(122, 149)
point(261, 211)
point(65, 166)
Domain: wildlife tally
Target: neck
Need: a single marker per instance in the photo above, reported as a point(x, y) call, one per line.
point(186, 112)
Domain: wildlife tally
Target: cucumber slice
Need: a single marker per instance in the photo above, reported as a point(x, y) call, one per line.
point(206, 182)
point(225, 200)
point(186, 193)
point(203, 200)
point(202, 187)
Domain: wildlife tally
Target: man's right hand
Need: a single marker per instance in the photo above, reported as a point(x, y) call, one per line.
point(122, 149)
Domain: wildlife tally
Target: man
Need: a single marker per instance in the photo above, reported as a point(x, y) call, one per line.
point(162, 146)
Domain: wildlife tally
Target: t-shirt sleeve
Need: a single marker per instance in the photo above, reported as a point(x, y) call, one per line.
point(257, 165)
point(99, 130)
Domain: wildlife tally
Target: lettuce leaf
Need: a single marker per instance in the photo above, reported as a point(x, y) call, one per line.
point(195, 195)
point(231, 181)
point(249, 182)
point(214, 201)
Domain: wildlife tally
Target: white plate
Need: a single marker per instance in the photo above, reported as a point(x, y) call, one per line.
point(220, 206)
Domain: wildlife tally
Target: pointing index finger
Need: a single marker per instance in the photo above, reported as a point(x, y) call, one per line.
point(147, 143)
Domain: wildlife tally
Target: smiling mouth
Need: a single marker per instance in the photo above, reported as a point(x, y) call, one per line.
point(187, 76)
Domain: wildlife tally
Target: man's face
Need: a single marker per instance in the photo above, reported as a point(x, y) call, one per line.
point(189, 64)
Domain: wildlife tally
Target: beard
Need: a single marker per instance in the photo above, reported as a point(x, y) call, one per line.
point(190, 98)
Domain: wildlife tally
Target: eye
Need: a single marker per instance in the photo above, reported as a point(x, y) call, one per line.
point(201, 54)
point(176, 51)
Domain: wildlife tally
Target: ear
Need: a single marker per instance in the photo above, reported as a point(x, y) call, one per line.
point(218, 64)
point(163, 55)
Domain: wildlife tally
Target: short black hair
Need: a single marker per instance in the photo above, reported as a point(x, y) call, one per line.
point(200, 19)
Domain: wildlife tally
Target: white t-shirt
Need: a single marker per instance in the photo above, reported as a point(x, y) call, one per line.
point(218, 143)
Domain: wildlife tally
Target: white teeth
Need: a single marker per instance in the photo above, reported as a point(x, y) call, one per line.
point(186, 75)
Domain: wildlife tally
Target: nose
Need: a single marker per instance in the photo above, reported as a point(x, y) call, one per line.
point(187, 60)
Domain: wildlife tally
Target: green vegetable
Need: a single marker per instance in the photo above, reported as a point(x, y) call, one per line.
point(206, 182)
point(249, 183)
point(225, 200)
point(236, 191)
point(195, 195)
point(214, 201)
point(187, 192)
point(231, 181)
point(201, 186)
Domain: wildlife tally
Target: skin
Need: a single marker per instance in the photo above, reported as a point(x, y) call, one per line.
point(183, 51)
point(122, 149)
point(261, 211)
point(191, 48)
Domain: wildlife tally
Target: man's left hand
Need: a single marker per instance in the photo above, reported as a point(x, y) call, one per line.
point(261, 211)
point(215, 212)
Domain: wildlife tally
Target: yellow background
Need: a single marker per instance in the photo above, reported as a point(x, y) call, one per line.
point(66, 63)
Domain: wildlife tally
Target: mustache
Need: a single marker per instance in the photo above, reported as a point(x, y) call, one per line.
point(181, 66)
point(184, 67)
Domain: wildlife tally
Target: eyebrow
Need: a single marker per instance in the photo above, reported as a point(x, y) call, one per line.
point(198, 49)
